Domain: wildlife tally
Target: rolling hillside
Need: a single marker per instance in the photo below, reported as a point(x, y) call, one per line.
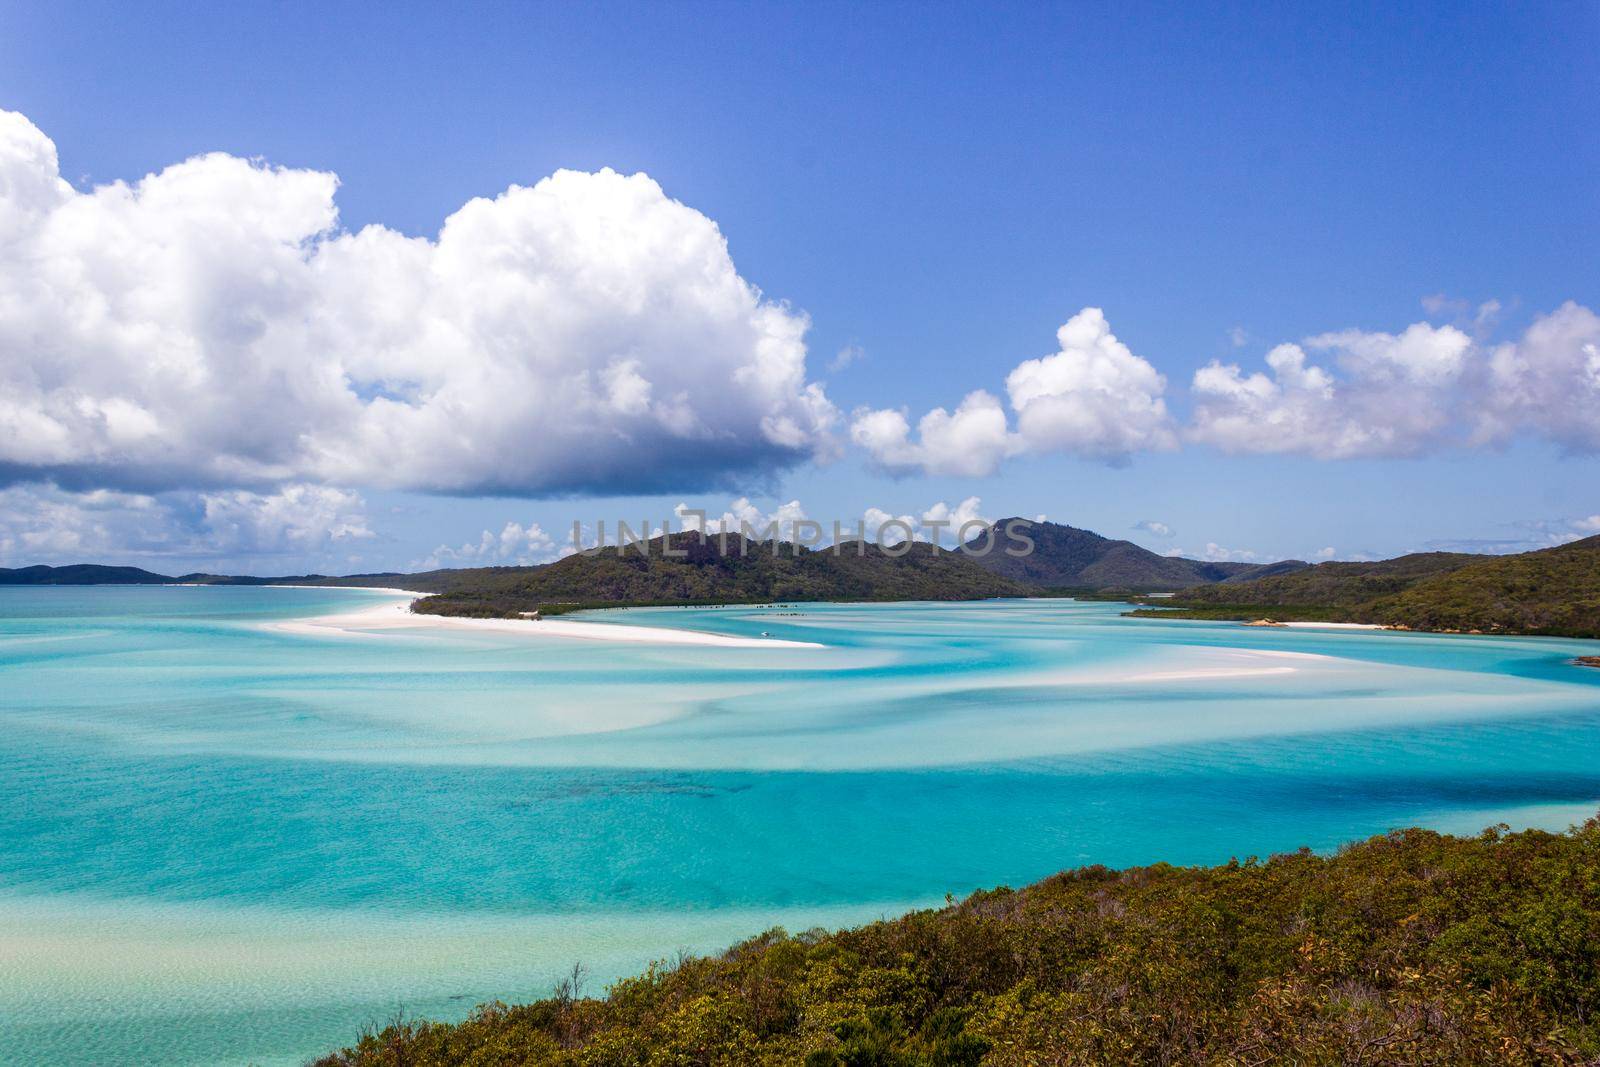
point(748, 571)
point(81, 574)
point(1551, 591)
point(1410, 948)
point(1333, 584)
point(1065, 557)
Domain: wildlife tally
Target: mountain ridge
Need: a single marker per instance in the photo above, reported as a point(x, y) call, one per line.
point(1551, 591)
point(1066, 557)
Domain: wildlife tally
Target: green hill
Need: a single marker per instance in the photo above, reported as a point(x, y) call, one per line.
point(81, 574)
point(1551, 591)
point(745, 572)
point(1065, 557)
point(1410, 948)
point(1333, 584)
point(1554, 591)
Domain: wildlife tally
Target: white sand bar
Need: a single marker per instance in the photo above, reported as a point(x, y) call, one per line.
point(397, 615)
point(1336, 625)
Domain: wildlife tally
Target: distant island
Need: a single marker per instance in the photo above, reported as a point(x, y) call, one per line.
point(1412, 947)
point(95, 574)
point(1554, 591)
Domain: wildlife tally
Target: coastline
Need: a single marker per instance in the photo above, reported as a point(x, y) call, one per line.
point(398, 616)
point(1337, 625)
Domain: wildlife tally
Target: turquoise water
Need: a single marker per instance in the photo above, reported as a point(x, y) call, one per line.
point(225, 843)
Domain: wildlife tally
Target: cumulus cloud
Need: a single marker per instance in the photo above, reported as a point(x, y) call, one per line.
point(1092, 398)
point(1356, 394)
point(1383, 403)
point(296, 518)
point(741, 515)
point(968, 442)
point(1548, 380)
point(44, 524)
point(1154, 528)
point(940, 523)
point(514, 545)
point(1218, 554)
point(211, 325)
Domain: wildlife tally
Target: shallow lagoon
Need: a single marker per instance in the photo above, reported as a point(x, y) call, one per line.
point(224, 843)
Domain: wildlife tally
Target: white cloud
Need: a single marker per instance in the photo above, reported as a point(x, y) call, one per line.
point(515, 545)
point(41, 524)
point(1548, 382)
point(1093, 398)
point(940, 520)
point(210, 326)
point(1154, 528)
point(885, 528)
point(1217, 554)
point(1480, 318)
point(296, 518)
point(969, 510)
point(1385, 401)
point(742, 515)
point(1530, 535)
point(845, 357)
point(969, 442)
point(941, 523)
point(44, 524)
point(1324, 553)
point(1238, 336)
point(1549, 533)
point(1412, 393)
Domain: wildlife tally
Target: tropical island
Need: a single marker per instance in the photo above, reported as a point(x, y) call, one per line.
point(1411, 947)
point(1551, 592)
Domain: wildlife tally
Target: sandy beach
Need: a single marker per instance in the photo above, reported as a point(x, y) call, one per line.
point(397, 615)
point(1335, 625)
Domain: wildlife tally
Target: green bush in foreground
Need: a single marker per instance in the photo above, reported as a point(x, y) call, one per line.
point(1410, 948)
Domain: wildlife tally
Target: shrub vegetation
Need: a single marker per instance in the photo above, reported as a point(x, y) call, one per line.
point(1409, 948)
point(1553, 592)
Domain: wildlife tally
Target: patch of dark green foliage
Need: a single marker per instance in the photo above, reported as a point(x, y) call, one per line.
point(1409, 948)
point(1553, 592)
point(715, 570)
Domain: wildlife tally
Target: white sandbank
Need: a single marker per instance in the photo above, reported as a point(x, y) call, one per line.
point(397, 616)
point(1336, 625)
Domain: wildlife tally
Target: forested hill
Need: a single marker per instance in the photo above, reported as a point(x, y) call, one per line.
point(96, 574)
point(1551, 591)
point(1334, 584)
point(1411, 948)
point(731, 570)
point(1065, 557)
point(81, 574)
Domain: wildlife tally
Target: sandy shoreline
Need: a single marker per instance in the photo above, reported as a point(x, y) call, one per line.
point(1336, 625)
point(392, 615)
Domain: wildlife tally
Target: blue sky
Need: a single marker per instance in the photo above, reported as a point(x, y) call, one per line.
point(938, 188)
